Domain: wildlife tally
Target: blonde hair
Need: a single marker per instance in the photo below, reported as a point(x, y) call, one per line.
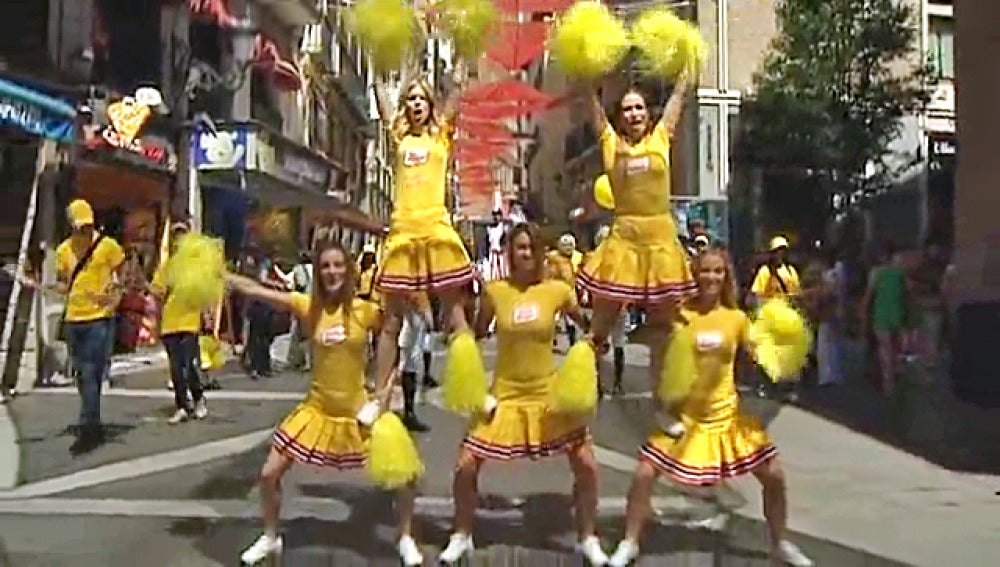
point(728, 296)
point(401, 125)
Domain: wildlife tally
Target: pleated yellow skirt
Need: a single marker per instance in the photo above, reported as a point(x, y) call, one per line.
point(424, 253)
point(706, 455)
point(524, 429)
point(310, 436)
point(640, 262)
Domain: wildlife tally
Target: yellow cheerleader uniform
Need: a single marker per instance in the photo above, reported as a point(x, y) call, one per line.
point(641, 261)
point(719, 442)
point(423, 250)
point(323, 430)
point(522, 425)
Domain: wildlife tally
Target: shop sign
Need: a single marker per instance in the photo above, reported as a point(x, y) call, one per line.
point(281, 160)
point(222, 150)
point(304, 170)
point(34, 120)
point(943, 146)
point(126, 118)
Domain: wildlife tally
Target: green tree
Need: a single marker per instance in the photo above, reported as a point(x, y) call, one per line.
point(829, 98)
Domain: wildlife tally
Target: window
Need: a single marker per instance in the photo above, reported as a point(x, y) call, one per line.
point(941, 46)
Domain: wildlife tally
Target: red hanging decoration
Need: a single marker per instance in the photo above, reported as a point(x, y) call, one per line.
point(533, 6)
point(518, 44)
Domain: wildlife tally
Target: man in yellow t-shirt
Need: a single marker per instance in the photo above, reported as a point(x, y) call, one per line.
point(179, 328)
point(88, 270)
point(562, 264)
point(776, 278)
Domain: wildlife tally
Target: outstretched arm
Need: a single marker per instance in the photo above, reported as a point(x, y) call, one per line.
point(382, 101)
point(277, 299)
point(485, 316)
point(675, 105)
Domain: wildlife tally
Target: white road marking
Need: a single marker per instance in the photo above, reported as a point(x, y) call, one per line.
point(295, 507)
point(141, 466)
point(221, 395)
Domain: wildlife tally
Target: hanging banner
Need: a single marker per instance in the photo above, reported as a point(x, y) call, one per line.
point(518, 44)
point(36, 113)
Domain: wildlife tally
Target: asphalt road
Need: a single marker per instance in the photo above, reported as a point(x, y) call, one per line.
point(167, 496)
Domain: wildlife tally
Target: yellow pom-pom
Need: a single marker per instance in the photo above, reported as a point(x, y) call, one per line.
point(667, 44)
point(680, 366)
point(386, 29)
point(588, 41)
point(602, 192)
point(465, 385)
point(575, 389)
point(782, 340)
point(470, 24)
point(195, 271)
point(393, 459)
point(212, 357)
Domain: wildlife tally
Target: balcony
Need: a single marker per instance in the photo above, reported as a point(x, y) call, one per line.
point(293, 13)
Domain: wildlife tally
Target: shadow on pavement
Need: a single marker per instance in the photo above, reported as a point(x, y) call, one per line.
point(922, 417)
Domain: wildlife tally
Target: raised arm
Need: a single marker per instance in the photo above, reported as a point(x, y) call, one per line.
point(675, 105)
point(277, 299)
point(382, 101)
point(598, 118)
point(459, 80)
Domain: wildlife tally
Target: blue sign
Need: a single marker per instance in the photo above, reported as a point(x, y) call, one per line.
point(36, 113)
point(222, 150)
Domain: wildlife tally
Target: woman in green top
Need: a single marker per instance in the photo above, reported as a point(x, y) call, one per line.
point(884, 305)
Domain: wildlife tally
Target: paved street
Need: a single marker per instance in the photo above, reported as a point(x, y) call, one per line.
point(184, 496)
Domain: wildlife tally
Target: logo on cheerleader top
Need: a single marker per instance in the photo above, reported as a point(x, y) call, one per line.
point(333, 335)
point(711, 340)
point(415, 156)
point(636, 165)
point(525, 313)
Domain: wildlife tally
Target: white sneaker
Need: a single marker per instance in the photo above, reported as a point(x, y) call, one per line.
point(459, 546)
point(200, 409)
point(713, 523)
point(409, 552)
point(792, 555)
point(625, 554)
point(170, 384)
point(59, 379)
point(179, 416)
point(590, 548)
point(265, 546)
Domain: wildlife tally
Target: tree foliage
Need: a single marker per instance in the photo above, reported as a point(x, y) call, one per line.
point(832, 91)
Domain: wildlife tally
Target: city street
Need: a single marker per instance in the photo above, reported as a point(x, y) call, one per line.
point(157, 495)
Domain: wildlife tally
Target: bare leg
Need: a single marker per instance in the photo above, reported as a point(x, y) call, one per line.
point(387, 350)
point(405, 498)
point(887, 359)
point(273, 470)
point(638, 508)
point(584, 466)
point(453, 305)
point(605, 316)
point(465, 490)
point(660, 320)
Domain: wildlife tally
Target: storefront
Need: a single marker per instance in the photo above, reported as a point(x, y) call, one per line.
point(37, 126)
point(254, 185)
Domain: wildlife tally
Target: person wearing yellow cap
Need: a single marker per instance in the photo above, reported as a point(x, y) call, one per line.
point(562, 264)
point(777, 277)
point(88, 269)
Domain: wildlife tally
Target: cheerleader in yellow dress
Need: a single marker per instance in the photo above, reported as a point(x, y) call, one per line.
point(521, 425)
point(641, 262)
point(423, 252)
point(708, 439)
point(331, 427)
